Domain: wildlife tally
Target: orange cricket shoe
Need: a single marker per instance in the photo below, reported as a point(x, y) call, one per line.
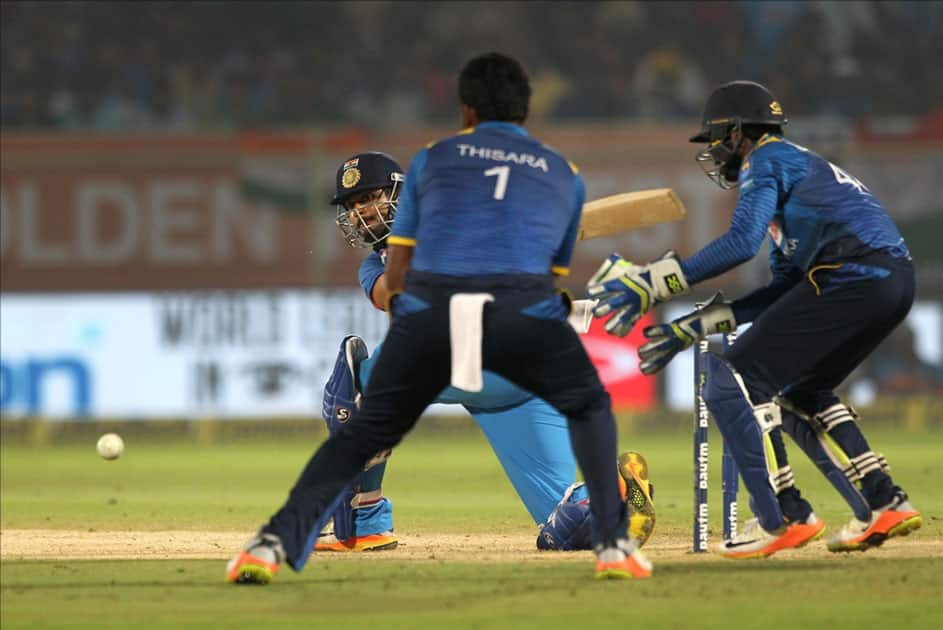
point(621, 560)
point(755, 542)
point(258, 563)
point(383, 541)
point(897, 518)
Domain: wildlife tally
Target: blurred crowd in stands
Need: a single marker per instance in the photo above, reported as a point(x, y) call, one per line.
point(177, 65)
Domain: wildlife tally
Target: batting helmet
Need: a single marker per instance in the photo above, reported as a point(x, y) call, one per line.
point(365, 171)
point(362, 173)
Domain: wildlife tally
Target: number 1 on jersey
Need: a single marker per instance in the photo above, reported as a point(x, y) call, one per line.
point(501, 185)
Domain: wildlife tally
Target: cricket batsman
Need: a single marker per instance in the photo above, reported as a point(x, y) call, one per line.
point(842, 280)
point(529, 436)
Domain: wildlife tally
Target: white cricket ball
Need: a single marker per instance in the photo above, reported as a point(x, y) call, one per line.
point(110, 446)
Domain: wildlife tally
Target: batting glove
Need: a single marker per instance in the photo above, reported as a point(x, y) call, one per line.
point(635, 291)
point(667, 340)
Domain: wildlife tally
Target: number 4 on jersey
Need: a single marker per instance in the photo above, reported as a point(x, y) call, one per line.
point(844, 178)
point(501, 185)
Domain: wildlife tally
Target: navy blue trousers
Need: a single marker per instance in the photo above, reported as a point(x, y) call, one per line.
point(807, 343)
point(541, 355)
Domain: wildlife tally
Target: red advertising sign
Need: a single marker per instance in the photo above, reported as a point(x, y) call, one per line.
point(616, 360)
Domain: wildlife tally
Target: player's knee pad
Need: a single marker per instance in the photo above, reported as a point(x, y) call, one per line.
point(342, 392)
point(838, 423)
point(746, 429)
point(816, 446)
point(821, 435)
point(569, 526)
point(342, 395)
point(837, 428)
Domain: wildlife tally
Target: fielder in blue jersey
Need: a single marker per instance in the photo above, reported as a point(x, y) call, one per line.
point(529, 437)
point(842, 280)
point(485, 219)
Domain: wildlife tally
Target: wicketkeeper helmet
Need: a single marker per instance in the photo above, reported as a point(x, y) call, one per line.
point(729, 108)
point(738, 103)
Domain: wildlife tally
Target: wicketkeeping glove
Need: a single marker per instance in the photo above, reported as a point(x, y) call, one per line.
point(629, 291)
point(667, 340)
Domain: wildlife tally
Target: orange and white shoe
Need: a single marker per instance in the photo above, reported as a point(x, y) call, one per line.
point(383, 541)
point(621, 560)
point(752, 541)
point(637, 491)
point(258, 563)
point(897, 518)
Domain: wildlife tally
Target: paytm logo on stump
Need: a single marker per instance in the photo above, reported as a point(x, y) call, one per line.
point(45, 386)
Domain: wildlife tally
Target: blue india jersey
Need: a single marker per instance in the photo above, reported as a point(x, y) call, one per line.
point(371, 268)
point(490, 200)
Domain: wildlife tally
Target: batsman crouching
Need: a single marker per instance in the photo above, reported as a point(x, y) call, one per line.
point(479, 294)
point(529, 437)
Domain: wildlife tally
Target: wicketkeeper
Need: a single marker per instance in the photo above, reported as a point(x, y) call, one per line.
point(842, 280)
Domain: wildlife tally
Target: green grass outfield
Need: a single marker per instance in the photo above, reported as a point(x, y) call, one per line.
point(442, 485)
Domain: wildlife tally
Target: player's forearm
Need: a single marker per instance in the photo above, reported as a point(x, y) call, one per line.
point(717, 257)
point(397, 264)
point(741, 242)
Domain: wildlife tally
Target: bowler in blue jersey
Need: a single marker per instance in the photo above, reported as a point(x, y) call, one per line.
point(486, 219)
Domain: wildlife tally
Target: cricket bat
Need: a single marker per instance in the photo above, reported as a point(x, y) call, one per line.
point(629, 211)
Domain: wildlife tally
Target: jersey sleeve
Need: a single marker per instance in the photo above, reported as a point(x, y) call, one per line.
point(785, 276)
point(743, 240)
point(407, 208)
point(371, 269)
point(561, 261)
